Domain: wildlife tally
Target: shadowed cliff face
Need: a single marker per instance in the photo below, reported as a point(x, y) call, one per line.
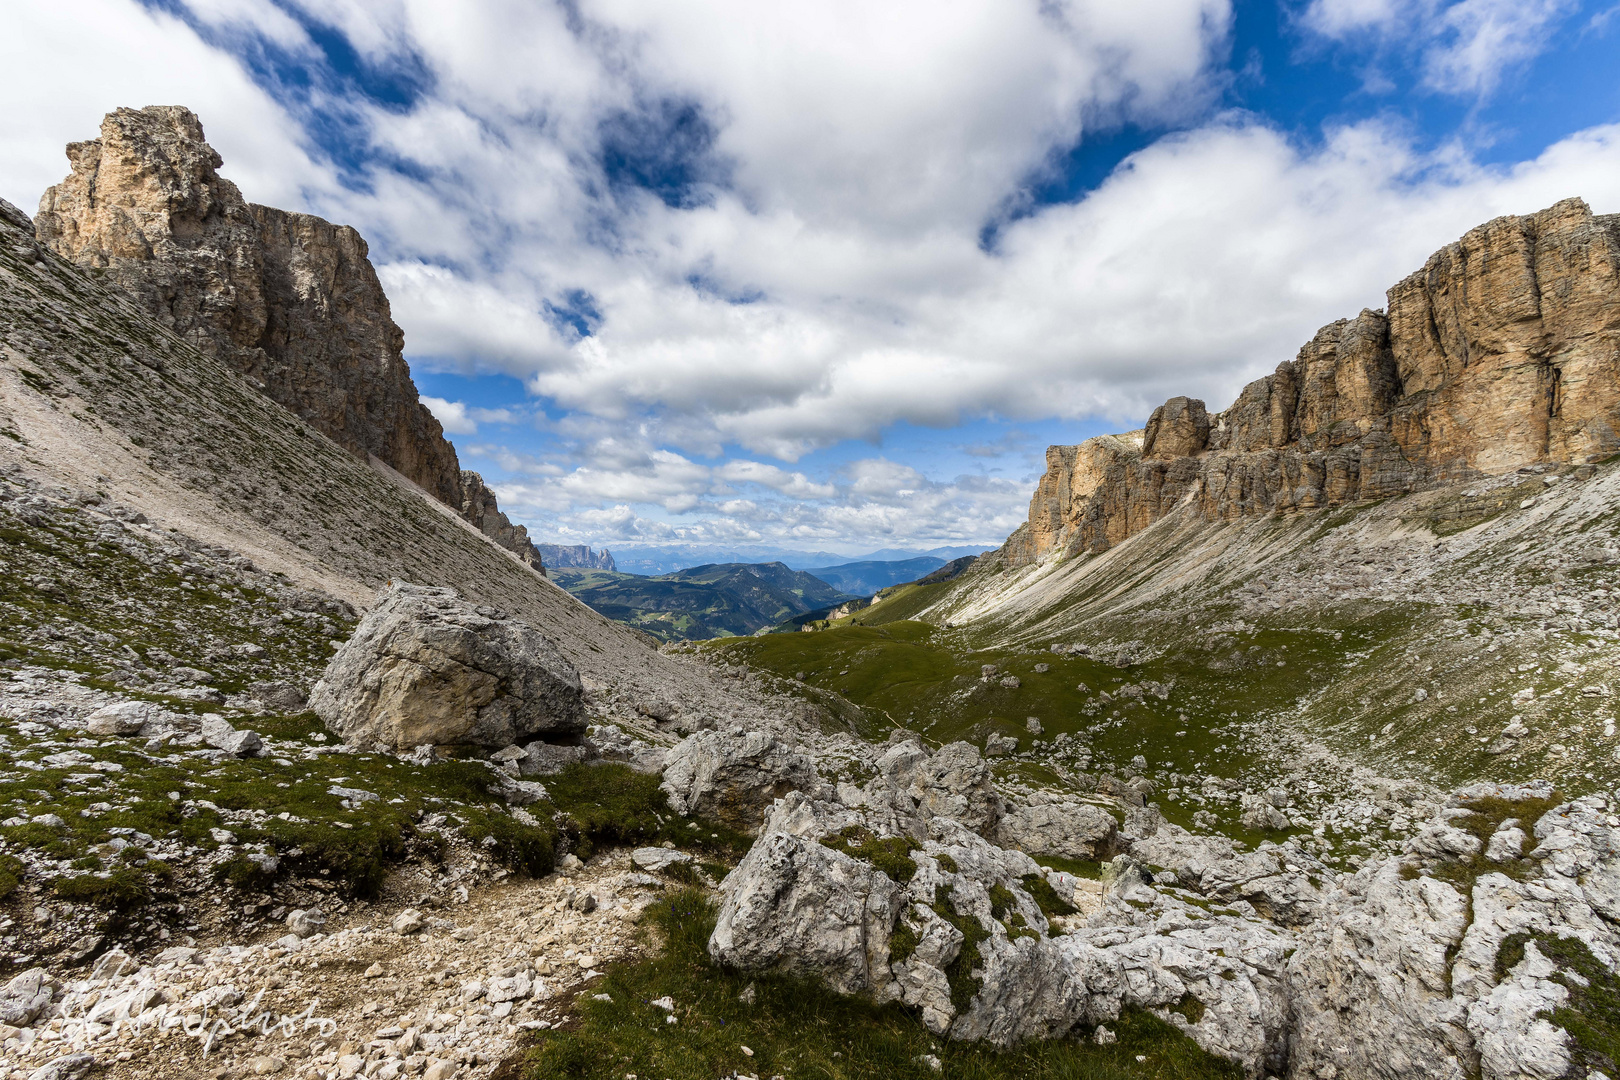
point(1503, 351)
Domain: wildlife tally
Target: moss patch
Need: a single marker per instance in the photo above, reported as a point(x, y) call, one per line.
point(1485, 818)
point(1046, 897)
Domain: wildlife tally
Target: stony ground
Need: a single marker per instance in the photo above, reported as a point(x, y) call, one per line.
point(434, 979)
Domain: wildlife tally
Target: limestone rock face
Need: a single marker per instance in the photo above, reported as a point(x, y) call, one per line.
point(1177, 428)
point(578, 556)
point(1503, 351)
point(289, 300)
point(734, 775)
point(478, 505)
point(427, 668)
point(1072, 830)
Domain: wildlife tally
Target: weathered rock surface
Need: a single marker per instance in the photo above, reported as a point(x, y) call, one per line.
point(25, 997)
point(1390, 972)
point(479, 506)
point(289, 300)
point(952, 782)
point(734, 775)
point(796, 906)
point(1503, 351)
point(427, 668)
point(1073, 830)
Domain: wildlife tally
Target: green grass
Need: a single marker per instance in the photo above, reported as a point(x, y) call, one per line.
point(1591, 1014)
point(892, 856)
point(1081, 868)
point(597, 806)
point(803, 1031)
point(1487, 816)
point(612, 805)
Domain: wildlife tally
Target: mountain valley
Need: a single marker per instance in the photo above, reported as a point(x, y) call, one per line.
point(1278, 742)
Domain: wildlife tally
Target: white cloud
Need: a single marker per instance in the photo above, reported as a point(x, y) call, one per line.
point(1481, 39)
point(793, 484)
point(458, 419)
point(65, 64)
point(1467, 46)
point(825, 278)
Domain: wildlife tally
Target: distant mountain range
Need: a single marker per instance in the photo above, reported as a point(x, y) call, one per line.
point(716, 600)
point(866, 578)
point(580, 556)
point(666, 559)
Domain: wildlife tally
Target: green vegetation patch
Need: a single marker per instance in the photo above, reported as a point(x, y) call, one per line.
point(1004, 908)
point(1486, 817)
point(1046, 897)
point(612, 805)
point(964, 981)
point(892, 856)
point(1591, 1014)
point(804, 1031)
point(719, 600)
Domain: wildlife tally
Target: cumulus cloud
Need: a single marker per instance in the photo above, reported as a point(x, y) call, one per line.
point(63, 65)
point(457, 418)
point(728, 225)
point(1467, 46)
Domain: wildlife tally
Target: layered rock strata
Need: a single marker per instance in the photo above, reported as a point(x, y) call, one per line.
point(289, 300)
point(1503, 351)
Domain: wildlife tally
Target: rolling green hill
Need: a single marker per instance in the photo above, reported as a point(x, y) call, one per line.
point(719, 600)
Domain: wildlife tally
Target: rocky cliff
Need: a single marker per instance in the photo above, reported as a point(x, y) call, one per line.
point(289, 300)
point(1502, 352)
point(478, 506)
point(577, 556)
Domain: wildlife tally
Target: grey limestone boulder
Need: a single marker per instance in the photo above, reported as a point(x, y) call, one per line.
point(954, 782)
point(796, 906)
point(25, 997)
point(1072, 830)
point(428, 668)
point(218, 733)
point(734, 775)
point(122, 718)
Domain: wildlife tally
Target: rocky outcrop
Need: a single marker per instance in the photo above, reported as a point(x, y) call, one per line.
point(1061, 827)
point(1503, 351)
point(577, 556)
point(734, 775)
point(289, 300)
point(1433, 963)
point(426, 668)
point(478, 506)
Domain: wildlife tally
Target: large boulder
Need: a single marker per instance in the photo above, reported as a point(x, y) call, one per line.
point(953, 782)
point(794, 905)
point(428, 668)
point(1062, 827)
point(734, 775)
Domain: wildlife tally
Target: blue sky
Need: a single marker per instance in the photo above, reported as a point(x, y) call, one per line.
point(832, 275)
